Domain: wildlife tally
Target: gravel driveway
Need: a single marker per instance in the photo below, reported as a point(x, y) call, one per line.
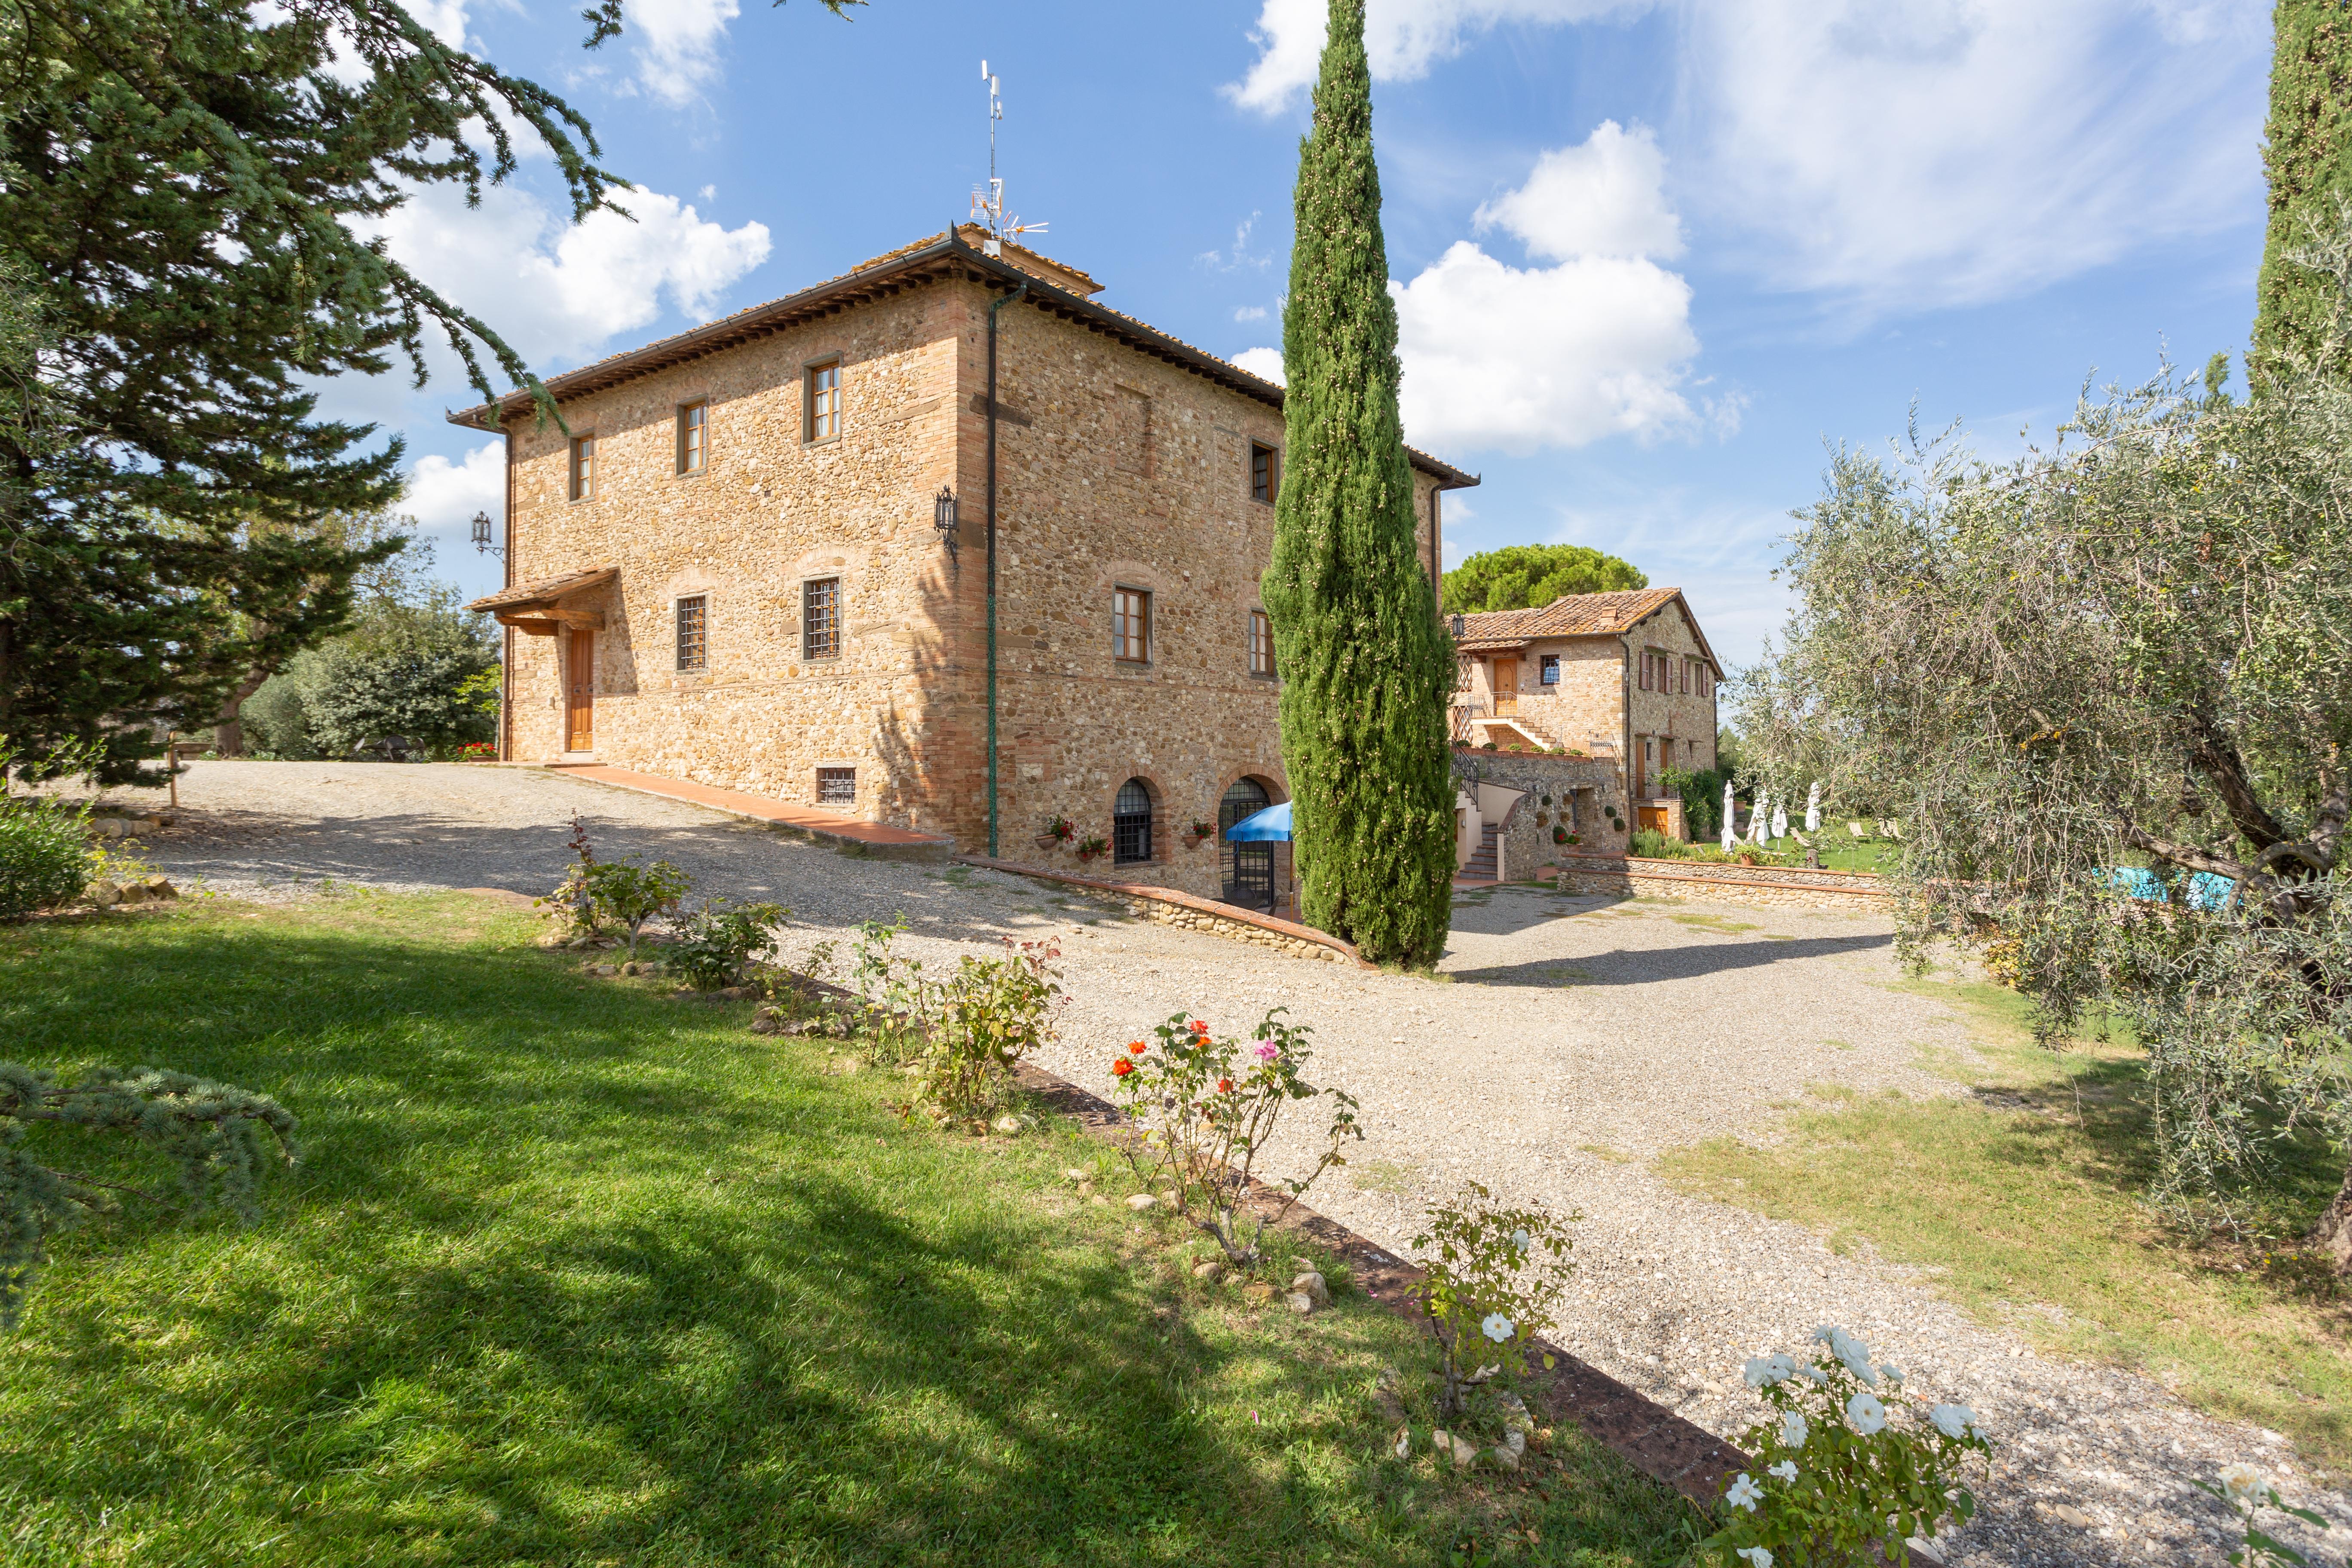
point(1564, 1041)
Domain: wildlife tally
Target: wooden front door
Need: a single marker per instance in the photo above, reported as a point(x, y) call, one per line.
point(1506, 684)
point(580, 694)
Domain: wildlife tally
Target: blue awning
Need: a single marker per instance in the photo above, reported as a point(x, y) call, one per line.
point(1273, 823)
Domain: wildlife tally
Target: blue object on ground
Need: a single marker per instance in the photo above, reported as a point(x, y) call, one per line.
point(1273, 823)
point(2206, 891)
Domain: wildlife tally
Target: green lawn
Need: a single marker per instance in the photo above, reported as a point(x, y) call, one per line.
point(572, 1273)
point(2025, 1197)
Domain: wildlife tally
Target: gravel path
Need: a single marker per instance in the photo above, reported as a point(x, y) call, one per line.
point(1565, 1040)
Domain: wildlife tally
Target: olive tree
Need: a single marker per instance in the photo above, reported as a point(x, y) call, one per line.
point(2130, 653)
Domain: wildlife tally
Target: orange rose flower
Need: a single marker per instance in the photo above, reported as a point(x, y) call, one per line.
point(1121, 1067)
point(1137, 1046)
point(1224, 1085)
point(1197, 1026)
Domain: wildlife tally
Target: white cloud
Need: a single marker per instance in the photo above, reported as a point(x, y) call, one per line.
point(1404, 38)
point(1250, 313)
point(1606, 197)
point(1265, 362)
point(678, 44)
point(1500, 357)
point(1233, 260)
point(1902, 154)
point(1951, 151)
point(443, 496)
point(556, 291)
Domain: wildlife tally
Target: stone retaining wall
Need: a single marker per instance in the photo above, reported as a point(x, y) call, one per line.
point(1165, 906)
point(1776, 887)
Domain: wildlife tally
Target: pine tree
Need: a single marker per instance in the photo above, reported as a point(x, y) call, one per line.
point(2307, 157)
point(1366, 666)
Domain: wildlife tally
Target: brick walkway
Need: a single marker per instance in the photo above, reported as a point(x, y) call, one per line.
point(808, 820)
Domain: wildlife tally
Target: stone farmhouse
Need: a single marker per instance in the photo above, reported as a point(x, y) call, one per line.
point(760, 559)
point(1623, 675)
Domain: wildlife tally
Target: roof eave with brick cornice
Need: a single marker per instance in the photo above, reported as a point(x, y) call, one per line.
point(1516, 629)
point(916, 266)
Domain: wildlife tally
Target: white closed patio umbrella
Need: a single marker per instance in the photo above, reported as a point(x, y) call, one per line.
point(1730, 814)
point(1813, 807)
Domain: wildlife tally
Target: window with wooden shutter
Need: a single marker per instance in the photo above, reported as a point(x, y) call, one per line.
point(823, 401)
point(693, 437)
point(583, 467)
point(1266, 476)
point(1261, 644)
point(1130, 624)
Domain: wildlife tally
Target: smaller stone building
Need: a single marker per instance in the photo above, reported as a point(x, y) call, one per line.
point(1626, 677)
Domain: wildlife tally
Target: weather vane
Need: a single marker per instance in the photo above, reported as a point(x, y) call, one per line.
point(988, 201)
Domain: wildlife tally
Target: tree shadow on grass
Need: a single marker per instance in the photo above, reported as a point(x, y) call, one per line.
point(572, 1274)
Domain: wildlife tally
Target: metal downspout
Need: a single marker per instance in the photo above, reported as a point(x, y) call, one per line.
point(507, 574)
point(993, 308)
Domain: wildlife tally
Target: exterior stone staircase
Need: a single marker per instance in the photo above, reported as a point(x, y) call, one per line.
point(1480, 866)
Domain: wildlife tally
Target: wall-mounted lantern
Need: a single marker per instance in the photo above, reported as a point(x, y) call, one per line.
point(482, 529)
point(943, 518)
point(1459, 625)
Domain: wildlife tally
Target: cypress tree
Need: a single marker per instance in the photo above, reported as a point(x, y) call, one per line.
point(2307, 158)
point(1366, 667)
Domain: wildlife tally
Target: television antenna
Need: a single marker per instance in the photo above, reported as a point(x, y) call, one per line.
point(988, 201)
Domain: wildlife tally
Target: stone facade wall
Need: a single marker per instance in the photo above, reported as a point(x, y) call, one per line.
point(1115, 469)
point(1581, 790)
point(1676, 728)
point(1584, 710)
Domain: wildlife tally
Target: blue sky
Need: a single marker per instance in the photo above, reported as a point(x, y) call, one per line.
point(1649, 257)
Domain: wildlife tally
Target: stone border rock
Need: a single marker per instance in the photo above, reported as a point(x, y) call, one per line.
point(1165, 906)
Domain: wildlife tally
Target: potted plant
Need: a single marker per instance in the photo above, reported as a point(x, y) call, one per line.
point(1560, 836)
point(1092, 847)
point(1058, 830)
point(1195, 833)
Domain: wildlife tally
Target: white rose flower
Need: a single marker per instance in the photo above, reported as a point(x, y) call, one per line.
point(1890, 1372)
point(1809, 1370)
point(1850, 1351)
point(1519, 1240)
point(1764, 1371)
point(1760, 1556)
point(1744, 1493)
point(2242, 1482)
point(1793, 1430)
point(1786, 1470)
point(1866, 1415)
point(1496, 1327)
point(1952, 1420)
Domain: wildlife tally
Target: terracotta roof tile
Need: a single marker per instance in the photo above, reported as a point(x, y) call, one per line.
point(1574, 616)
point(545, 590)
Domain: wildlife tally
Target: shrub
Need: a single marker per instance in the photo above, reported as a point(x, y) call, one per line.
point(44, 856)
point(1484, 1290)
point(989, 1013)
point(1855, 1466)
point(633, 894)
point(713, 943)
point(1201, 1109)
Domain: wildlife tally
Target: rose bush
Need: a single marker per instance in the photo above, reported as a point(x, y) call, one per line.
point(1486, 1289)
point(1855, 1467)
point(1200, 1111)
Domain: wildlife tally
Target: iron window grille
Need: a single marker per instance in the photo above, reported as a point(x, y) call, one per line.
point(1249, 868)
point(1265, 473)
point(583, 467)
point(1548, 673)
point(693, 627)
point(1261, 644)
point(823, 401)
point(836, 786)
point(693, 435)
point(1130, 823)
point(1130, 624)
point(821, 618)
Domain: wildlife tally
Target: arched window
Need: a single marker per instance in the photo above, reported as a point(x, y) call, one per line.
point(1130, 823)
point(1249, 868)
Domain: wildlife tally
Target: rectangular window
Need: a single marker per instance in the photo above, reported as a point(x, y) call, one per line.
point(821, 618)
point(1645, 672)
point(1261, 643)
point(1265, 472)
point(836, 786)
point(583, 467)
point(693, 435)
point(1548, 671)
point(824, 402)
point(693, 624)
point(1130, 624)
